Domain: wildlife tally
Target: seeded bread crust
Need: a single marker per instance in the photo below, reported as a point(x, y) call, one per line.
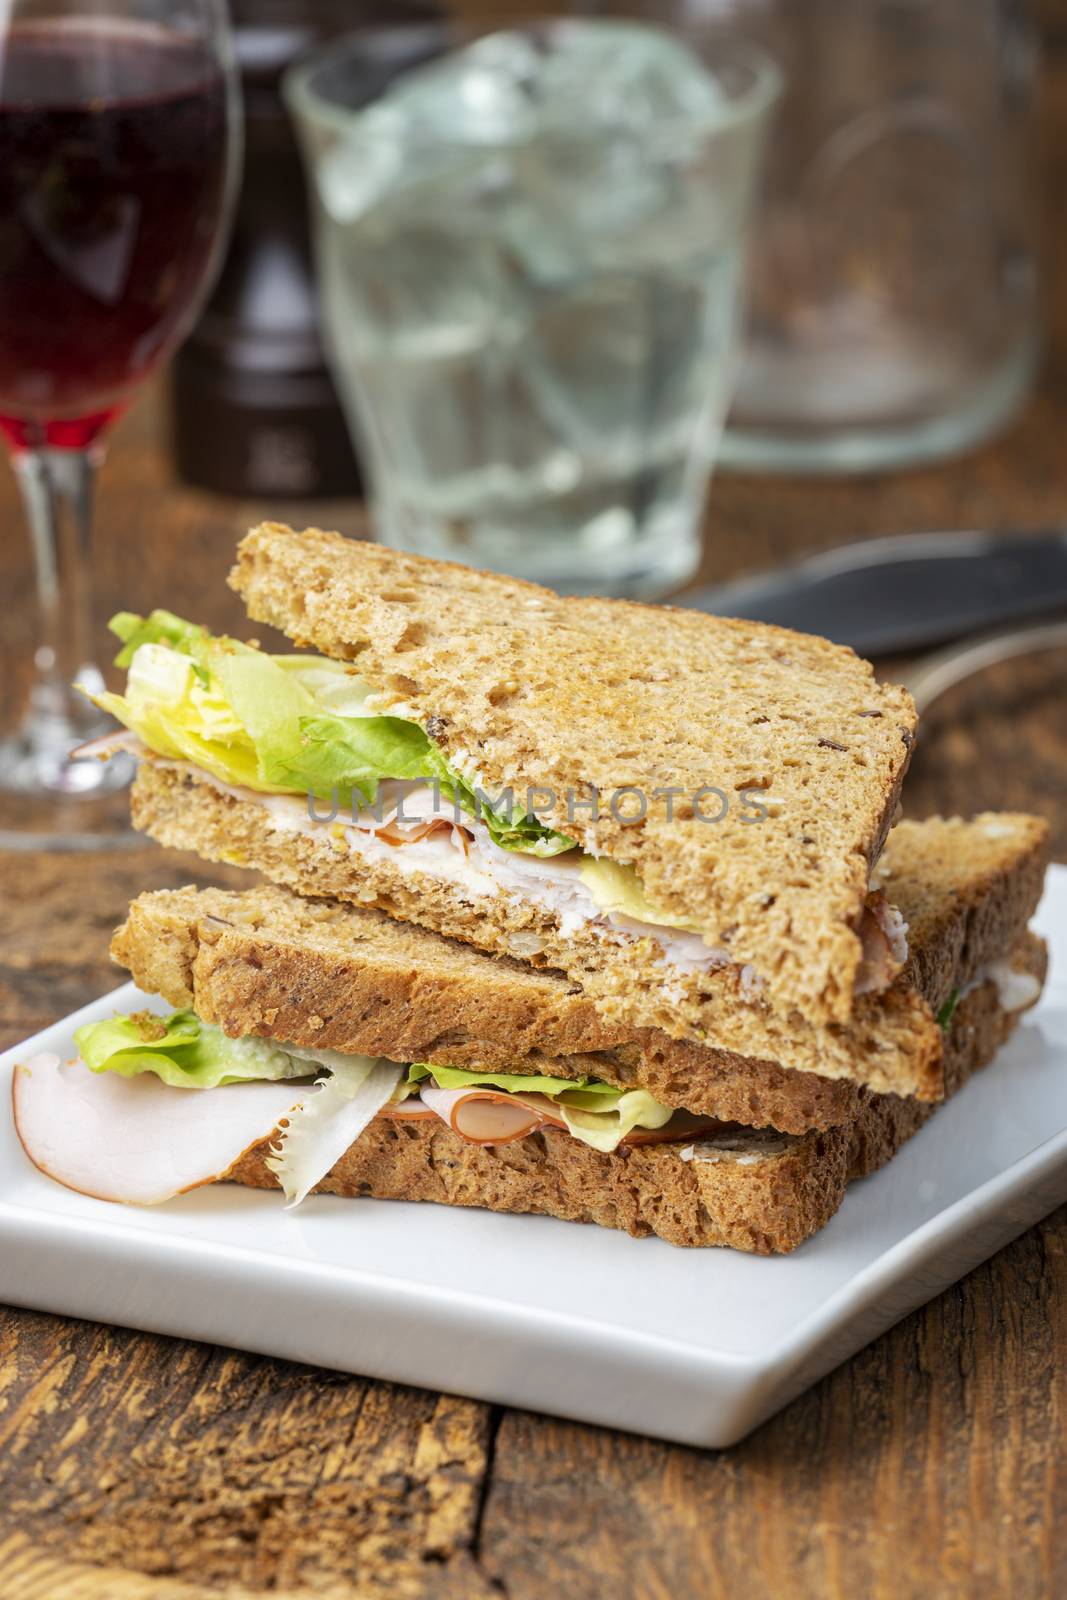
point(760, 1192)
point(523, 688)
point(892, 1043)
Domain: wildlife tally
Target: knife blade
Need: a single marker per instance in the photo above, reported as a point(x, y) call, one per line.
point(905, 592)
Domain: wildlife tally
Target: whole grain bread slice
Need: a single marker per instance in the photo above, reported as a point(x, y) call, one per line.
point(968, 902)
point(524, 689)
point(342, 977)
point(761, 1192)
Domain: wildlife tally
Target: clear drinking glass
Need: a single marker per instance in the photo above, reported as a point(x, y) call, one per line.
point(529, 253)
point(117, 166)
point(893, 299)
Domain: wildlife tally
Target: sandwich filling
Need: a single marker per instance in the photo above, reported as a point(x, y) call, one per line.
point(332, 1097)
point(286, 732)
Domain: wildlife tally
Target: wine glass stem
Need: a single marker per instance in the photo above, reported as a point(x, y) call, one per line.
point(57, 488)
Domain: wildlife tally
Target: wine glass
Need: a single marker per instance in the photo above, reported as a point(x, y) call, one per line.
point(119, 144)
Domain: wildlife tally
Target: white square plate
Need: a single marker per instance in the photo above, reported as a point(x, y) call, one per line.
point(693, 1345)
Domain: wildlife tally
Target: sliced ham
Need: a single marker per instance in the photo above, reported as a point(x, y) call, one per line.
point(396, 834)
point(109, 744)
point(409, 1110)
point(138, 1140)
point(485, 1116)
point(883, 935)
point(493, 1116)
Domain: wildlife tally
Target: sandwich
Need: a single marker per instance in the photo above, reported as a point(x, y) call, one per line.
point(316, 1045)
point(683, 813)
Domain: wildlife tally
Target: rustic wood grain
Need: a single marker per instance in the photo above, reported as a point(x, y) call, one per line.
point(931, 1464)
point(201, 1467)
point(134, 1467)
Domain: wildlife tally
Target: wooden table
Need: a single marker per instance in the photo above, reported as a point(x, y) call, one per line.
point(931, 1464)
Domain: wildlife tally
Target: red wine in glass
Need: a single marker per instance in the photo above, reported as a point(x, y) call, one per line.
point(116, 156)
point(112, 185)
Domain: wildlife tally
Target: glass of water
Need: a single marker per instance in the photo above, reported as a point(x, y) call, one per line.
point(530, 251)
point(894, 304)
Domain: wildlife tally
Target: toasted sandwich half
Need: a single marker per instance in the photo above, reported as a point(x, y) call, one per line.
point(682, 811)
point(321, 1046)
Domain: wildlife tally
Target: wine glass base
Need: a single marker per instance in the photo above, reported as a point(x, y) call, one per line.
point(49, 802)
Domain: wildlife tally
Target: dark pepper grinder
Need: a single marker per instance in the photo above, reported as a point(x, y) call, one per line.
point(255, 412)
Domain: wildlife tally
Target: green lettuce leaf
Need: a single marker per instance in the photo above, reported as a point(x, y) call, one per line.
point(618, 890)
point(361, 751)
point(337, 690)
point(945, 1015)
point(161, 627)
point(510, 1082)
point(322, 1128)
point(605, 1128)
point(270, 723)
point(519, 831)
point(282, 724)
point(181, 1050)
